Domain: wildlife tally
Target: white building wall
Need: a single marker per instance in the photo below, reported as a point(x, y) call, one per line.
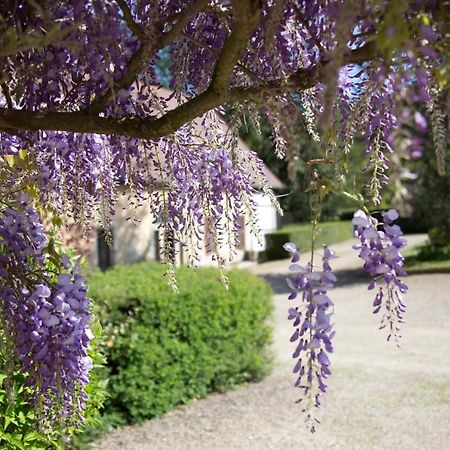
point(267, 221)
point(134, 235)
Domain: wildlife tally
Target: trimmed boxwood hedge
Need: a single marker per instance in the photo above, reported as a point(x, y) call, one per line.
point(300, 234)
point(164, 349)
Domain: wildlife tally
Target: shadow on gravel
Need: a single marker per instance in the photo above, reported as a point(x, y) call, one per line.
point(345, 278)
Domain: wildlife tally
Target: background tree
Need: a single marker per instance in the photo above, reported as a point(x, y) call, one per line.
point(433, 216)
point(295, 199)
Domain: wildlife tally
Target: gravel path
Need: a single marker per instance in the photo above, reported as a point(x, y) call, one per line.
point(380, 397)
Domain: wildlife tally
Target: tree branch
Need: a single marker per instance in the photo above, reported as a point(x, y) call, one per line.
point(137, 61)
point(367, 52)
point(131, 23)
point(213, 52)
point(213, 97)
point(181, 20)
point(246, 16)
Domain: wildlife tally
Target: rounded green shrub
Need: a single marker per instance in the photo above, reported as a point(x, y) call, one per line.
point(434, 252)
point(439, 236)
point(164, 349)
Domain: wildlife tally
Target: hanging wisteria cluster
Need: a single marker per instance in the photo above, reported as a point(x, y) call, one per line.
point(380, 251)
point(45, 318)
point(99, 97)
point(313, 328)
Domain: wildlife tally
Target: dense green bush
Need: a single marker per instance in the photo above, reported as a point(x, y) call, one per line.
point(17, 422)
point(433, 252)
point(300, 234)
point(439, 236)
point(165, 349)
point(430, 195)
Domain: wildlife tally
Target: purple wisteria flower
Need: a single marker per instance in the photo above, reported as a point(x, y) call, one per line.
point(51, 339)
point(313, 329)
point(380, 251)
point(206, 178)
point(21, 233)
point(46, 318)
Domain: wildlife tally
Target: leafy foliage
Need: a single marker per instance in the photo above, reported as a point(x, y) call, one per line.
point(17, 421)
point(429, 185)
point(18, 427)
point(164, 348)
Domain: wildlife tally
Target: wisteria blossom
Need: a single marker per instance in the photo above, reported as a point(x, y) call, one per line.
point(313, 332)
point(379, 248)
point(46, 321)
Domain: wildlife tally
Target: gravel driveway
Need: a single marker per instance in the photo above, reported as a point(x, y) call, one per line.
point(380, 397)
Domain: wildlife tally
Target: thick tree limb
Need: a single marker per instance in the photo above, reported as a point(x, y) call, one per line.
point(213, 97)
point(246, 16)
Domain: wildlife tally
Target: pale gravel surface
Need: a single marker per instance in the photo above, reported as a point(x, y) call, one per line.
point(380, 397)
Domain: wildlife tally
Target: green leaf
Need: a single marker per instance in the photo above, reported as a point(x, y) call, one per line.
point(11, 440)
point(32, 436)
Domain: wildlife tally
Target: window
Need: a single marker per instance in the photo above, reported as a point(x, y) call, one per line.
point(105, 250)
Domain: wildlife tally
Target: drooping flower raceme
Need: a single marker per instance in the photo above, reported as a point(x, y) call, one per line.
point(51, 342)
point(46, 318)
point(313, 329)
point(21, 234)
point(380, 251)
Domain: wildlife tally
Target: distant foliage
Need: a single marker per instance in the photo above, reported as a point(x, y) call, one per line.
point(431, 194)
point(434, 252)
point(295, 199)
point(164, 349)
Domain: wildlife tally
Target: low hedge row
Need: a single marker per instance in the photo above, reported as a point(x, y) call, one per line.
point(300, 234)
point(164, 349)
